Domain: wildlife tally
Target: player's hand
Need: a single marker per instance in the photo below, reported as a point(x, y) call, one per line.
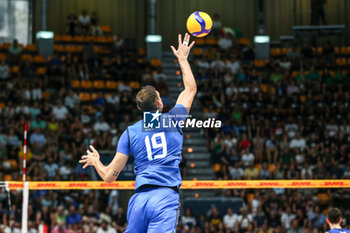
point(184, 47)
point(91, 158)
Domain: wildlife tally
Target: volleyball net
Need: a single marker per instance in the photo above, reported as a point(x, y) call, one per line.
point(194, 186)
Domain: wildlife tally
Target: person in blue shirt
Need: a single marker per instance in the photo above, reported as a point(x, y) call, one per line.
point(157, 154)
point(334, 220)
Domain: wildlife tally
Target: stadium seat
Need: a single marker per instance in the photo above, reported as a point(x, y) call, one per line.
point(95, 96)
point(2, 57)
point(45, 95)
point(258, 166)
point(111, 85)
point(107, 95)
point(275, 52)
point(41, 71)
point(198, 52)
point(2, 105)
point(155, 62)
point(27, 57)
point(106, 28)
point(272, 168)
point(5, 46)
point(101, 39)
point(332, 73)
point(285, 51)
point(67, 38)
point(86, 84)
point(345, 50)
point(141, 51)
point(78, 39)
point(31, 48)
point(320, 50)
point(89, 38)
point(75, 83)
point(135, 85)
point(8, 177)
point(259, 63)
point(57, 38)
point(58, 48)
point(323, 198)
point(295, 73)
point(200, 41)
point(14, 69)
point(336, 50)
point(341, 61)
point(244, 41)
point(211, 41)
point(70, 49)
point(84, 96)
point(98, 84)
point(38, 59)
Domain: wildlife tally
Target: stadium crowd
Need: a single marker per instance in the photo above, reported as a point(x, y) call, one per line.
point(278, 124)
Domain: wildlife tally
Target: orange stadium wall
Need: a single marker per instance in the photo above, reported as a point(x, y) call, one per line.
point(127, 17)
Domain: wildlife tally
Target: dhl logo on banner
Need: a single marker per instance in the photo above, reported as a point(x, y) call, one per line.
point(187, 184)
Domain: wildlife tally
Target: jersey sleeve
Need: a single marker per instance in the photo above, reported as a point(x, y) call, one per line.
point(123, 143)
point(179, 112)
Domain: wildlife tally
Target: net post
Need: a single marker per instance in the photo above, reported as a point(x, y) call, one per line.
point(25, 207)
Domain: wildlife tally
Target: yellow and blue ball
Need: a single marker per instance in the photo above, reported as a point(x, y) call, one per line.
point(199, 24)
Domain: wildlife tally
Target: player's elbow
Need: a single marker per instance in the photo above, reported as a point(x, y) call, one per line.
point(109, 180)
point(192, 90)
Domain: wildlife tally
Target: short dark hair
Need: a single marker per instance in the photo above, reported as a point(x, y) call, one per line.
point(146, 99)
point(334, 215)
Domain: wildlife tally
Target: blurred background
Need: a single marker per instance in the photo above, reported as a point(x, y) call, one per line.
point(276, 72)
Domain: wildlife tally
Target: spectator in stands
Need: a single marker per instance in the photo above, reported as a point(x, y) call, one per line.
point(60, 228)
point(101, 125)
point(230, 219)
point(295, 228)
point(188, 219)
point(60, 111)
point(72, 24)
point(12, 228)
point(84, 21)
point(106, 228)
point(15, 51)
point(94, 21)
point(225, 43)
point(217, 25)
point(4, 70)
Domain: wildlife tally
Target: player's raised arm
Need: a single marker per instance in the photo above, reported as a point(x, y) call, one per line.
point(187, 95)
point(107, 173)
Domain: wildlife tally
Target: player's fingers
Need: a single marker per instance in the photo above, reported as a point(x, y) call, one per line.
point(180, 41)
point(82, 161)
point(187, 38)
point(173, 48)
point(85, 166)
point(84, 157)
point(191, 45)
point(93, 149)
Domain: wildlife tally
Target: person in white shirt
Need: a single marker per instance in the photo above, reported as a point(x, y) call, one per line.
point(234, 65)
point(113, 99)
point(287, 217)
point(101, 125)
point(218, 64)
point(230, 219)
point(12, 228)
point(244, 219)
point(298, 142)
point(236, 172)
point(4, 70)
point(187, 219)
point(247, 157)
point(106, 228)
point(124, 87)
point(84, 20)
point(60, 111)
point(225, 43)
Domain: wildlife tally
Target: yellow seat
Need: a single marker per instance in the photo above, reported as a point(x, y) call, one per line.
point(84, 96)
point(244, 41)
point(285, 51)
point(98, 84)
point(41, 71)
point(27, 57)
point(78, 39)
point(2, 57)
point(15, 69)
point(31, 48)
point(198, 52)
point(67, 38)
point(70, 49)
point(211, 41)
point(58, 48)
point(155, 62)
point(86, 84)
point(75, 83)
point(250, 197)
point(57, 38)
point(259, 63)
point(39, 59)
point(45, 95)
point(94, 96)
point(135, 85)
point(106, 28)
point(2, 105)
point(111, 85)
point(7, 177)
point(200, 41)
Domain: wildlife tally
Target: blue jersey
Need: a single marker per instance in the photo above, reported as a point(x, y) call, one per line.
point(157, 152)
point(335, 230)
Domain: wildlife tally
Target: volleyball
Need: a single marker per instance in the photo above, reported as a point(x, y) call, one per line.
point(199, 24)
